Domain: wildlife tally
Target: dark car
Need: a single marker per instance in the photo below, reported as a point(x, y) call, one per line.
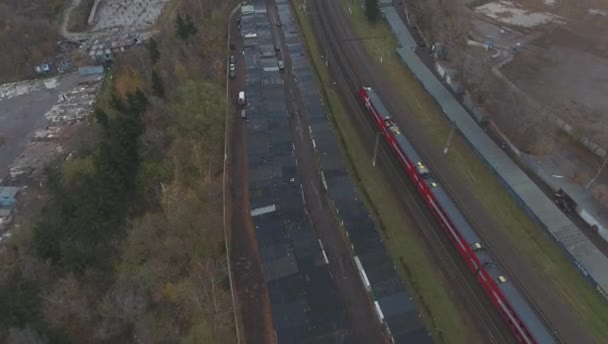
point(277, 48)
point(244, 114)
point(232, 46)
point(232, 74)
point(231, 59)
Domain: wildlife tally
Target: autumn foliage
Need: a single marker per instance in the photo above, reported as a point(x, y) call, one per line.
point(129, 246)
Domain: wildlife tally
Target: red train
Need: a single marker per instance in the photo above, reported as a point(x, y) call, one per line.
point(524, 322)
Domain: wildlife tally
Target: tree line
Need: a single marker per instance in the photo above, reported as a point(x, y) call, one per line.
point(128, 246)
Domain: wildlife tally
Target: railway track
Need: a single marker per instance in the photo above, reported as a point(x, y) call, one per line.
point(354, 83)
point(465, 285)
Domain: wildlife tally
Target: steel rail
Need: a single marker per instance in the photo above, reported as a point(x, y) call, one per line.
point(442, 248)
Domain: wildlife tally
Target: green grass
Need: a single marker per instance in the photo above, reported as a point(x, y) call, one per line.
point(525, 235)
point(439, 310)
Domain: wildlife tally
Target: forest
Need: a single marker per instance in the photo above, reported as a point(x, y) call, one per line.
point(128, 246)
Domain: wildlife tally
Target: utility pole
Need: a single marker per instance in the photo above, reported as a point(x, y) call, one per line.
point(598, 173)
point(447, 144)
point(376, 149)
point(383, 48)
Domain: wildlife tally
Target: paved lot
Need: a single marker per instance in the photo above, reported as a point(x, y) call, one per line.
point(131, 14)
point(23, 107)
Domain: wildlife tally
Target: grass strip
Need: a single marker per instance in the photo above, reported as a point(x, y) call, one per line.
point(439, 311)
point(525, 235)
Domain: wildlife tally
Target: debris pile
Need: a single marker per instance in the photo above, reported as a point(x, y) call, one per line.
point(72, 107)
point(75, 104)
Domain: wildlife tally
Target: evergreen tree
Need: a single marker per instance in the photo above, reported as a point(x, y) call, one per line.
point(179, 27)
point(101, 118)
point(153, 51)
point(190, 27)
point(157, 85)
point(116, 102)
point(184, 27)
point(372, 10)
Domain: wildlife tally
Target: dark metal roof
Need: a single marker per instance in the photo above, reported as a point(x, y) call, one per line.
point(305, 307)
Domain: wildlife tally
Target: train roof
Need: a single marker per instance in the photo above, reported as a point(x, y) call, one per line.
point(378, 105)
point(537, 328)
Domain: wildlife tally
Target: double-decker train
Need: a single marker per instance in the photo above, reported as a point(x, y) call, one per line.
point(525, 324)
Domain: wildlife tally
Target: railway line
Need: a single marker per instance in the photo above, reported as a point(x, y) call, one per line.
point(465, 285)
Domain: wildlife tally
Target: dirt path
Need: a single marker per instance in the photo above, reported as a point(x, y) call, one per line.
point(63, 30)
point(250, 287)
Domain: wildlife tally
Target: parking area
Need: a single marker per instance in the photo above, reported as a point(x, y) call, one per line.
point(38, 117)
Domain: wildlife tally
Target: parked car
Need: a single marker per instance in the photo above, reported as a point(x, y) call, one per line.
point(277, 48)
point(231, 59)
point(232, 74)
point(281, 65)
point(232, 67)
point(232, 46)
point(244, 114)
point(241, 99)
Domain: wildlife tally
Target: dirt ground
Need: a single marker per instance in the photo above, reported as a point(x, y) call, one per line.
point(564, 64)
point(560, 65)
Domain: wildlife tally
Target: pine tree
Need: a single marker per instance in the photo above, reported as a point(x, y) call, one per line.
point(157, 85)
point(372, 10)
point(190, 27)
point(153, 51)
point(184, 27)
point(180, 28)
point(101, 118)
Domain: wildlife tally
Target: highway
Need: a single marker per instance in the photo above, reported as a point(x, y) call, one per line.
point(362, 72)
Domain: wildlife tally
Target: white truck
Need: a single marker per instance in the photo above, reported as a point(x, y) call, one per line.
point(241, 100)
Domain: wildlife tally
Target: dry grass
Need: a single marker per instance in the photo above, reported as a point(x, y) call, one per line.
point(600, 192)
point(580, 177)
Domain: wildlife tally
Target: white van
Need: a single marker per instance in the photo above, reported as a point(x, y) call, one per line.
point(241, 100)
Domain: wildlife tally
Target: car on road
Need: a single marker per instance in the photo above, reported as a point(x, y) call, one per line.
point(281, 65)
point(278, 23)
point(232, 74)
point(277, 48)
point(232, 59)
point(244, 114)
point(232, 67)
point(232, 46)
